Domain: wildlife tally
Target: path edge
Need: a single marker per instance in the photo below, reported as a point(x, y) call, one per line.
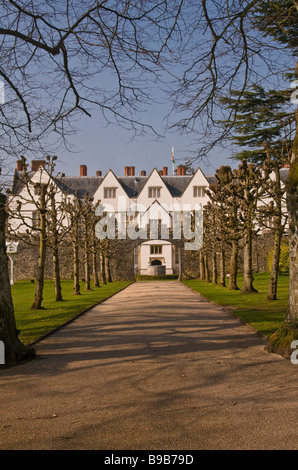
point(49, 333)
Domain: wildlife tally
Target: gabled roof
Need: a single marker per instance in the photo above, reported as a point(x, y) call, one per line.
point(156, 202)
point(79, 184)
point(132, 185)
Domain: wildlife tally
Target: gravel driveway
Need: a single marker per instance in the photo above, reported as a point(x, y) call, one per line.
point(154, 367)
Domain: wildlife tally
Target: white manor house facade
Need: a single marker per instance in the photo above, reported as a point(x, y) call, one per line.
point(139, 199)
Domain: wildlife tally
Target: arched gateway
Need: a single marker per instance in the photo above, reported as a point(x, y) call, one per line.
point(156, 256)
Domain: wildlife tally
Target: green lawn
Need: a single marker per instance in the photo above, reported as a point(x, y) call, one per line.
point(35, 323)
point(266, 316)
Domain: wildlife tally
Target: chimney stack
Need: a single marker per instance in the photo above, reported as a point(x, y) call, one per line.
point(143, 173)
point(129, 171)
point(181, 170)
point(35, 164)
point(98, 173)
point(165, 171)
point(83, 170)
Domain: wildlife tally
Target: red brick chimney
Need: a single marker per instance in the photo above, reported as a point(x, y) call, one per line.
point(98, 173)
point(181, 170)
point(35, 164)
point(127, 171)
point(132, 171)
point(143, 173)
point(83, 170)
point(165, 171)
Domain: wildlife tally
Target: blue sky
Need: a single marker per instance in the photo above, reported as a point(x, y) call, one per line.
point(103, 147)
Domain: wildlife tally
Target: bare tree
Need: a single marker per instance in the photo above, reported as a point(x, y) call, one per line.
point(226, 42)
point(224, 195)
point(74, 210)
point(32, 227)
point(272, 213)
point(60, 61)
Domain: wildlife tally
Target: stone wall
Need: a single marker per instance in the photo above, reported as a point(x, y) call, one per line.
point(121, 259)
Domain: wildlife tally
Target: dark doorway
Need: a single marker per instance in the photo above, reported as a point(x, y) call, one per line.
point(156, 262)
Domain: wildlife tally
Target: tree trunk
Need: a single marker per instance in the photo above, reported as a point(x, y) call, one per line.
point(234, 266)
point(86, 257)
point(102, 268)
point(292, 203)
point(214, 268)
point(222, 274)
point(75, 252)
point(248, 279)
point(55, 248)
point(56, 272)
point(14, 349)
point(272, 290)
point(42, 250)
point(108, 269)
point(207, 275)
point(179, 264)
point(94, 260)
point(202, 266)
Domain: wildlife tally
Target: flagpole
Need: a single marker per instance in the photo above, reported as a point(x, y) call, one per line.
point(173, 161)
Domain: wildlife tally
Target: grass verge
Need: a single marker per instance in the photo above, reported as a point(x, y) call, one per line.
point(35, 323)
point(264, 315)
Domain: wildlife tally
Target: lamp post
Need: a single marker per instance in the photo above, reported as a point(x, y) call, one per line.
point(12, 250)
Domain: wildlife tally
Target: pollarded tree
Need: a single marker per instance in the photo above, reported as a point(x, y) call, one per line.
point(272, 211)
point(32, 228)
point(224, 194)
point(74, 210)
point(264, 129)
point(248, 187)
point(89, 220)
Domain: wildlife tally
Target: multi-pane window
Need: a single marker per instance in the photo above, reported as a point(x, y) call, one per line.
point(154, 192)
point(109, 193)
point(156, 249)
point(199, 191)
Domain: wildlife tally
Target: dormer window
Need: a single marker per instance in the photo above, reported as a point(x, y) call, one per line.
point(199, 191)
point(154, 192)
point(109, 193)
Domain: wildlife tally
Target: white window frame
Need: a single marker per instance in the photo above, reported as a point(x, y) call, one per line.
point(154, 192)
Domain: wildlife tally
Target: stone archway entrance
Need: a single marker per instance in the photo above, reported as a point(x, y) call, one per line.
point(156, 257)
